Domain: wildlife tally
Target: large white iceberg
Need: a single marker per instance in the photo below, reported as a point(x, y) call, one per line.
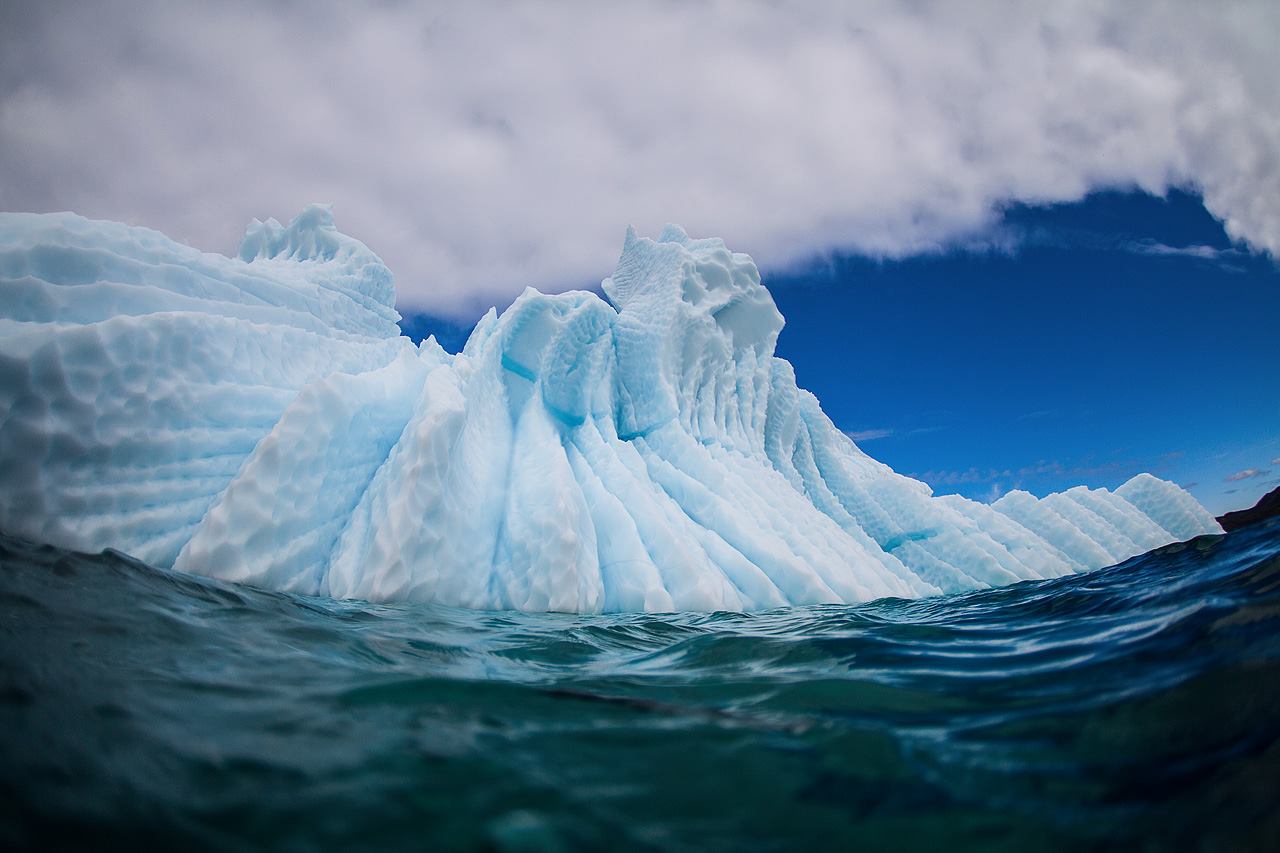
point(261, 419)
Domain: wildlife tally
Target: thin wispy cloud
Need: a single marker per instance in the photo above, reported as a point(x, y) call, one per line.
point(1009, 239)
point(482, 147)
point(994, 493)
point(1246, 474)
point(1054, 471)
point(1201, 252)
point(860, 436)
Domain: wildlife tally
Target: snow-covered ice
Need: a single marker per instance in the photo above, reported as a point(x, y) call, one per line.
point(261, 419)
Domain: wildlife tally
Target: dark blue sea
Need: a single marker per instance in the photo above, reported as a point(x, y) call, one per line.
point(1135, 707)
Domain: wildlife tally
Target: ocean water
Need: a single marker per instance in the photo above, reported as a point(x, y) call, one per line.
point(1138, 706)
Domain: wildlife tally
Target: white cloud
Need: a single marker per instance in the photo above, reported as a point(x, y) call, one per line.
point(1204, 253)
point(482, 147)
point(1246, 474)
point(993, 494)
point(868, 434)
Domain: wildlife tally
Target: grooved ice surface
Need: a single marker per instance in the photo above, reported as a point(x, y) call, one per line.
point(261, 419)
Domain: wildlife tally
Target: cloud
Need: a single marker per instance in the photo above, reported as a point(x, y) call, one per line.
point(993, 494)
point(868, 434)
point(946, 478)
point(1246, 474)
point(482, 147)
point(1042, 471)
point(1201, 252)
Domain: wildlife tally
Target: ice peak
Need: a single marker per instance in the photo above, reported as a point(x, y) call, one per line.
point(703, 278)
point(313, 236)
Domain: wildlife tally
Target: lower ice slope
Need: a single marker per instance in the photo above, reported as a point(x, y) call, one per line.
point(261, 419)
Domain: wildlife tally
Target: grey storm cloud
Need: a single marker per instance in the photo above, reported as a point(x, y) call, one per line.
point(482, 147)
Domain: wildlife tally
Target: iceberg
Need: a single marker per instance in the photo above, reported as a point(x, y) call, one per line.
point(261, 419)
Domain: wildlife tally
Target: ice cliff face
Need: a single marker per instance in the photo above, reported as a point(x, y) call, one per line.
point(260, 419)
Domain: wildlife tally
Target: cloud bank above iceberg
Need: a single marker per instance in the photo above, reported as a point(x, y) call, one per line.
point(492, 147)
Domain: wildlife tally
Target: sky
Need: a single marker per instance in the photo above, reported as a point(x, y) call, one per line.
point(1125, 333)
point(1017, 244)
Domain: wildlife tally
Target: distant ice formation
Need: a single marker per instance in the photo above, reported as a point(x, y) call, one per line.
point(261, 419)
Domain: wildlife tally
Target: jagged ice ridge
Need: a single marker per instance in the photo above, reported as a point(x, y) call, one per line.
point(261, 419)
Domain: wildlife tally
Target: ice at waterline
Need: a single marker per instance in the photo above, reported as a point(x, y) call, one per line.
point(261, 419)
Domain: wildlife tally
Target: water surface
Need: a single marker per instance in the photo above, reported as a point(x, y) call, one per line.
point(1138, 705)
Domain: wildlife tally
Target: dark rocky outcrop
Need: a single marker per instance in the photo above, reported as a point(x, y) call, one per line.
point(1268, 506)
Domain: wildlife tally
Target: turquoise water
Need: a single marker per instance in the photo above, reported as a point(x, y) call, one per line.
point(1139, 705)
